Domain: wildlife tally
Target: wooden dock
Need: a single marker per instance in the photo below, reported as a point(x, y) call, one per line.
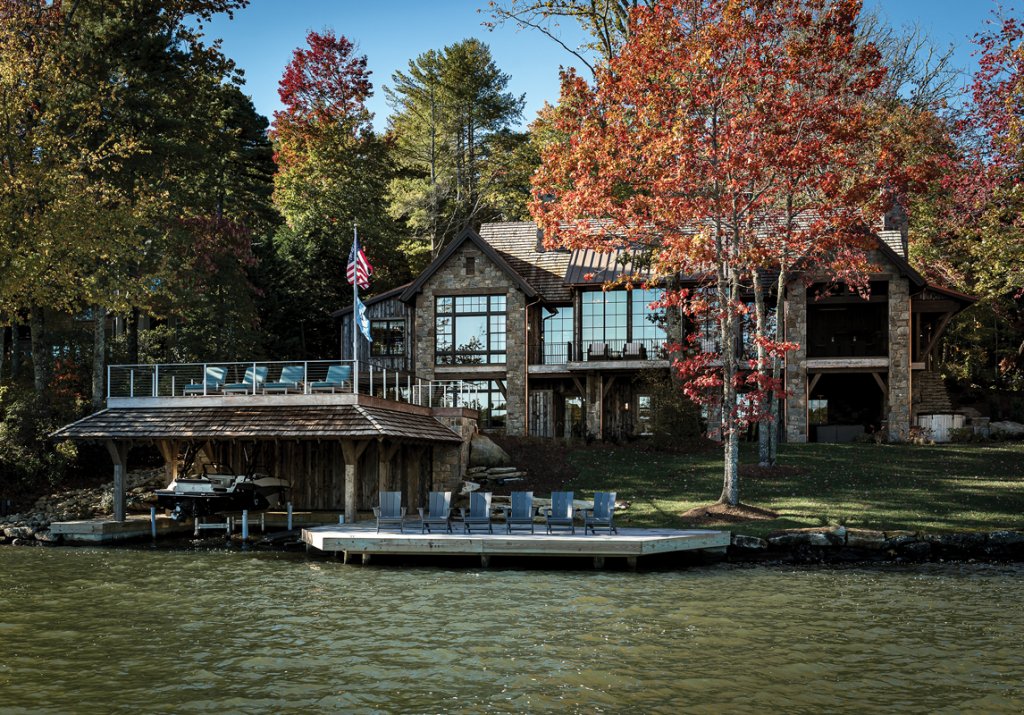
point(362, 539)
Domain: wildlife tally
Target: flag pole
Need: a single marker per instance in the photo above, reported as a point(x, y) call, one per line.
point(355, 297)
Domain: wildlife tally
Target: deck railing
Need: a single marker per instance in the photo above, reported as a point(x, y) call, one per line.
point(559, 353)
point(186, 381)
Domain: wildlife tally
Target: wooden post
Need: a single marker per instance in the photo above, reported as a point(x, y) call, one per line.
point(385, 455)
point(119, 455)
point(352, 451)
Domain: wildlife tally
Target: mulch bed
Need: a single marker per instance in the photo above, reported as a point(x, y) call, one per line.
point(723, 513)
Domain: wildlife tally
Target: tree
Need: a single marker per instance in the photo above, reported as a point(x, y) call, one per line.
point(448, 108)
point(725, 138)
point(333, 172)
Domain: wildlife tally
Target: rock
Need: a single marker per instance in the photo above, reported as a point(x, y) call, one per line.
point(901, 538)
point(468, 487)
point(801, 538)
point(1006, 428)
point(741, 541)
point(18, 532)
point(47, 537)
point(492, 471)
point(483, 452)
point(1006, 538)
point(915, 549)
point(865, 539)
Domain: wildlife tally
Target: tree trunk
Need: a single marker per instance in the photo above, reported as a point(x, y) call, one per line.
point(99, 356)
point(132, 334)
point(40, 352)
point(728, 292)
point(777, 364)
point(3, 348)
point(763, 436)
point(15, 350)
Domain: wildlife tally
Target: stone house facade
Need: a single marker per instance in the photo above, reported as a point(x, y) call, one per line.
point(547, 352)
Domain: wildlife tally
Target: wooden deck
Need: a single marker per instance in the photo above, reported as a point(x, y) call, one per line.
point(630, 544)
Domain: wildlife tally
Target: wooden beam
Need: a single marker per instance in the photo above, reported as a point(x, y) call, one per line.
point(352, 451)
point(938, 334)
point(502, 388)
point(119, 454)
point(385, 454)
point(813, 384)
point(881, 383)
point(579, 386)
point(607, 386)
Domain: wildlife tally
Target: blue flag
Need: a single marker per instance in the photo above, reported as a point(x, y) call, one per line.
point(364, 322)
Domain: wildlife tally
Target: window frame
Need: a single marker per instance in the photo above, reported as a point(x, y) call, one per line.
point(494, 352)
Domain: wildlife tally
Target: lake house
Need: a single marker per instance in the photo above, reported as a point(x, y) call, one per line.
point(546, 351)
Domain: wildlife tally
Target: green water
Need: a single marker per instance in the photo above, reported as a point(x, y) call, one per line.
point(84, 631)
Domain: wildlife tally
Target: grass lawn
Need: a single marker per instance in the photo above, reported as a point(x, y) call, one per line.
point(885, 487)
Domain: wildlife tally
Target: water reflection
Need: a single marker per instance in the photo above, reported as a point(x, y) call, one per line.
point(98, 630)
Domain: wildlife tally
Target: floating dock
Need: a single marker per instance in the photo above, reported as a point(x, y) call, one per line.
point(630, 544)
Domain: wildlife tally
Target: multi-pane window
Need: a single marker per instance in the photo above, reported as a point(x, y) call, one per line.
point(558, 336)
point(484, 395)
point(388, 337)
point(470, 329)
point(620, 316)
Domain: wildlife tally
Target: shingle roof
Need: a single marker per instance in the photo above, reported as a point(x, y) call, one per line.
point(258, 422)
point(520, 244)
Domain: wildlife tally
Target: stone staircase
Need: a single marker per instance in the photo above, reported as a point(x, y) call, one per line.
point(933, 397)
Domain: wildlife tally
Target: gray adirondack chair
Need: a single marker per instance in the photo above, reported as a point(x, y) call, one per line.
point(479, 514)
point(520, 514)
point(439, 512)
point(337, 376)
point(390, 512)
point(560, 514)
point(254, 377)
point(291, 379)
point(215, 375)
point(602, 515)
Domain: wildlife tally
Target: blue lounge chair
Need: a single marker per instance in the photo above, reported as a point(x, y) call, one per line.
point(561, 513)
point(337, 376)
point(390, 512)
point(439, 512)
point(601, 516)
point(479, 514)
point(520, 514)
point(254, 377)
point(214, 381)
point(292, 377)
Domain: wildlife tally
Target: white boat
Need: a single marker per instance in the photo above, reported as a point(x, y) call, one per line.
point(217, 489)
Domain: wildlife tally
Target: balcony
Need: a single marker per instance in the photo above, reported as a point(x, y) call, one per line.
point(301, 382)
point(612, 354)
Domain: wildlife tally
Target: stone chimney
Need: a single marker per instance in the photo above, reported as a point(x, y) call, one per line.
point(895, 230)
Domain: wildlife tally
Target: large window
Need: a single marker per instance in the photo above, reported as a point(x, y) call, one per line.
point(470, 330)
point(620, 316)
point(558, 336)
point(388, 337)
point(484, 395)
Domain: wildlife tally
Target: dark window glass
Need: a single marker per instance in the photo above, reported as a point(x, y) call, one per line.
point(470, 330)
point(388, 337)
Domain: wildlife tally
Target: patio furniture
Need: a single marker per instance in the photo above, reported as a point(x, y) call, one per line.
point(337, 376)
point(519, 516)
point(601, 516)
point(254, 377)
point(561, 512)
point(291, 379)
point(597, 351)
point(439, 512)
point(479, 514)
point(634, 351)
point(390, 512)
point(211, 385)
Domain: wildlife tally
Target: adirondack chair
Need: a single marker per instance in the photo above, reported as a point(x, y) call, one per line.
point(254, 377)
point(337, 376)
point(634, 351)
point(520, 514)
point(390, 512)
point(560, 514)
point(600, 517)
point(597, 351)
point(479, 515)
point(291, 379)
point(439, 512)
point(214, 381)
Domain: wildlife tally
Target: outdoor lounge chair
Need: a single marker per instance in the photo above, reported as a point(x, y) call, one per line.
point(634, 351)
point(292, 377)
point(479, 515)
point(337, 376)
point(560, 514)
point(520, 514)
point(439, 512)
point(254, 377)
point(597, 351)
point(214, 381)
point(600, 517)
point(390, 512)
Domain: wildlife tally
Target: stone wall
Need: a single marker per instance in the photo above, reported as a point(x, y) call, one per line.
point(899, 359)
point(795, 320)
point(450, 461)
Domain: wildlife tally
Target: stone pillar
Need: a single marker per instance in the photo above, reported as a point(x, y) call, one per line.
point(795, 321)
point(899, 359)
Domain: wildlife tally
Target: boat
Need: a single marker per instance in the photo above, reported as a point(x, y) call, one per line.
point(217, 489)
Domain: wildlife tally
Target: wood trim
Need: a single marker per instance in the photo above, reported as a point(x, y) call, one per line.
point(813, 383)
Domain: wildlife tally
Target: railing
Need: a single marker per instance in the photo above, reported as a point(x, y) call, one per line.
point(590, 351)
point(186, 380)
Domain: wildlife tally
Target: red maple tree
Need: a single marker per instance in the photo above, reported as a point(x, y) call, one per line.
point(730, 139)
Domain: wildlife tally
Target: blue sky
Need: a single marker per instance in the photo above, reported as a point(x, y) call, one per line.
point(262, 38)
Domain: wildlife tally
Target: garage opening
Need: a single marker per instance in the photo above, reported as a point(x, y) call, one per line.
point(844, 406)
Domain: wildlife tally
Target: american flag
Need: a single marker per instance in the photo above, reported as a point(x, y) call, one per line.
point(359, 269)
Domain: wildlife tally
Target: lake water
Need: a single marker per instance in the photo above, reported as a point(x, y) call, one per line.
point(97, 630)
